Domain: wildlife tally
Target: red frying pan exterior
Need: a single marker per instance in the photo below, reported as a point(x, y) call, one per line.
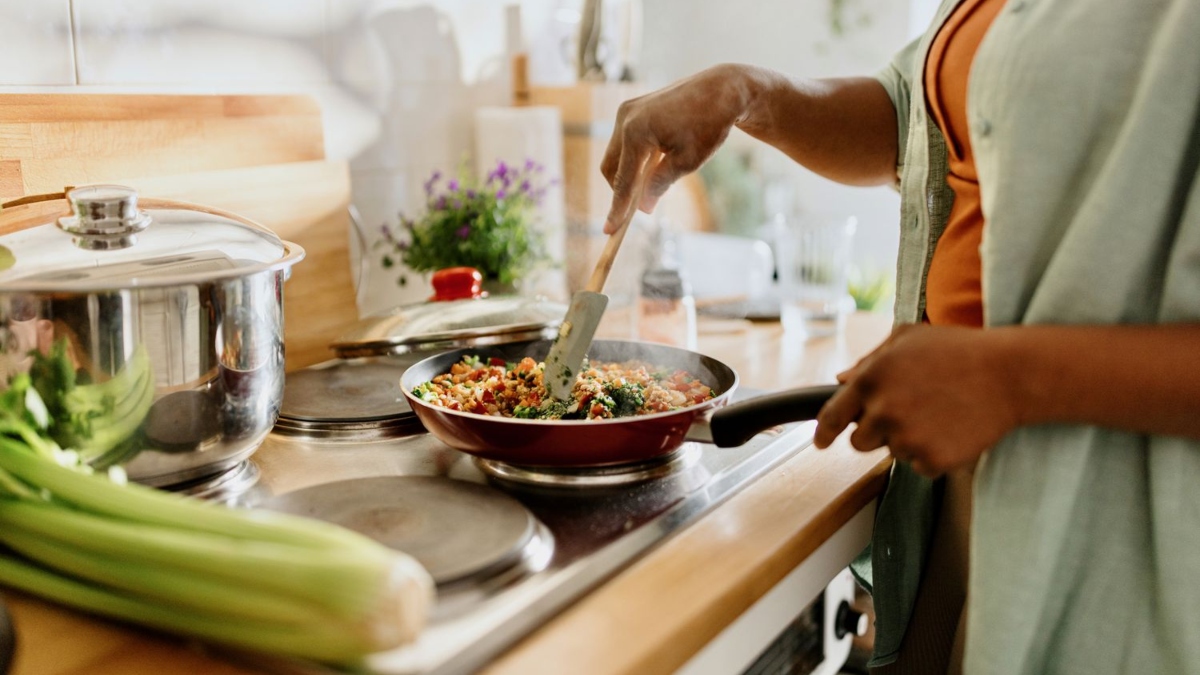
point(569, 443)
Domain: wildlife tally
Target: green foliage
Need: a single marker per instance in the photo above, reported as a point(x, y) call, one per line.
point(869, 290)
point(482, 224)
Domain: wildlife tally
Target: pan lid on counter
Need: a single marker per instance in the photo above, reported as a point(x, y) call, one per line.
point(98, 237)
point(459, 315)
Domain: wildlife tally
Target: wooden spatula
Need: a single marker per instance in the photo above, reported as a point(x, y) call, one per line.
point(578, 329)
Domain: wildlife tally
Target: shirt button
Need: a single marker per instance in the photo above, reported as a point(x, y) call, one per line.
point(983, 127)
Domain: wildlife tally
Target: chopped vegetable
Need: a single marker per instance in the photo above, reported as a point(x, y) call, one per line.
point(255, 579)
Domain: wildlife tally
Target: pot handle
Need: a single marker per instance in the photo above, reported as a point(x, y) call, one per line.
point(735, 424)
point(33, 199)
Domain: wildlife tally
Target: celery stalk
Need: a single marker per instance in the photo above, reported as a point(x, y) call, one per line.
point(343, 581)
point(332, 644)
point(154, 507)
point(164, 584)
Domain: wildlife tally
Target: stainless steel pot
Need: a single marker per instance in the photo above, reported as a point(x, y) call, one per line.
point(169, 319)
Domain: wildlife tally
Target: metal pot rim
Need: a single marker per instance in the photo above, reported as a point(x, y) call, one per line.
point(293, 253)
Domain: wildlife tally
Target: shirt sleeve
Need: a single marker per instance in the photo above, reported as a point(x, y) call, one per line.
point(896, 79)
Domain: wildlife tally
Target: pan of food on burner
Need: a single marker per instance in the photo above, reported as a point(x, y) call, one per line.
point(632, 401)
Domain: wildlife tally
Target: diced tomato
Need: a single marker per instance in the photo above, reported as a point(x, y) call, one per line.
point(597, 410)
point(488, 396)
point(699, 398)
point(496, 361)
point(453, 405)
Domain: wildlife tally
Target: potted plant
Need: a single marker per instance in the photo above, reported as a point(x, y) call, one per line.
point(486, 224)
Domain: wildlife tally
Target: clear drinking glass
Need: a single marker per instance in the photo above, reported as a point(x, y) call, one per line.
point(813, 254)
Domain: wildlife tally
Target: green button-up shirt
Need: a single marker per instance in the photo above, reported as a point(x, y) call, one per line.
point(1085, 125)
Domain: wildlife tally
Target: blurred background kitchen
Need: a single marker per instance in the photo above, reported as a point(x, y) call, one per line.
point(408, 88)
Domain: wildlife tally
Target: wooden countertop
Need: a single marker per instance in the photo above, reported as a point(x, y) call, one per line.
point(650, 618)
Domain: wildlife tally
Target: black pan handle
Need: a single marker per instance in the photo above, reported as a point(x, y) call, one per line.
point(735, 424)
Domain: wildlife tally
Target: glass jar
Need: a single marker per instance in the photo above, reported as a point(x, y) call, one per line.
point(666, 309)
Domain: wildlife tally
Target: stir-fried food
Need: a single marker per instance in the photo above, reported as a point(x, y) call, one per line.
point(602, 391)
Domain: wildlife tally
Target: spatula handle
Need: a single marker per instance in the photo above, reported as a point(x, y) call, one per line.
point(604, 265)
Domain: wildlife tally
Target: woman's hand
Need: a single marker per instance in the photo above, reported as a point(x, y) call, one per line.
point(687, 122)
point(936, 396)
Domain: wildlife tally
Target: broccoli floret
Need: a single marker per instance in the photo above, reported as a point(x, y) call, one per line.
point(552, 410)
point(627, 399)
point(526, 412)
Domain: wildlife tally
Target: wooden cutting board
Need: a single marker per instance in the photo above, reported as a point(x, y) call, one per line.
point(259, 156)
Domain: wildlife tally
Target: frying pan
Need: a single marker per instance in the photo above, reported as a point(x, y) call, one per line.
point(587, 443)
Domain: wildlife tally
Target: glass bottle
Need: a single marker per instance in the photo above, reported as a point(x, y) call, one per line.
point(666, 309)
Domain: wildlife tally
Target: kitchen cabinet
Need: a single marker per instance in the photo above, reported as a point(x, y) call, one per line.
point(652, 617)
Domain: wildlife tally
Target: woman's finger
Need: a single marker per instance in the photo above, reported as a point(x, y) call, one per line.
point(624, 186)
point(837, 413)
point(870, 434)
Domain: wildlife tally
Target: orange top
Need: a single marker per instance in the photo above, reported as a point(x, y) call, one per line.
point(952, 293)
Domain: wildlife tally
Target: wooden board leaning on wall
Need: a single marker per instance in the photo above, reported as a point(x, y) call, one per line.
point(261, 157)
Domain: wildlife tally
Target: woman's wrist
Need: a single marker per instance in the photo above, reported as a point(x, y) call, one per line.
point(1018, 373)
point(752, 87)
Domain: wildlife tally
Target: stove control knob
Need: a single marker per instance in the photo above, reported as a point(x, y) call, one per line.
point(849, 621)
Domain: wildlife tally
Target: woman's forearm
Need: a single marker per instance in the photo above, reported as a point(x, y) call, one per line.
point(843, 129)
point(1135, 378)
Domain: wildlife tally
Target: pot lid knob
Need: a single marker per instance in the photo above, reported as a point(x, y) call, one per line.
point(104, 217)
point(457, 283)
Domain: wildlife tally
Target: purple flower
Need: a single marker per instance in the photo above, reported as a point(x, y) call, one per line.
point(497, 173)
point(525, 186)
point(500, 194)
point(452, 186)
point(464, 232)
point(440, 203)
point(431, 182)
point(531, 165)
point(470, 194)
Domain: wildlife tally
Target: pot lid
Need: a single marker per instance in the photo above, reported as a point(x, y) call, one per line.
point(460, 314)
point(451, 324)
point(106, 241)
